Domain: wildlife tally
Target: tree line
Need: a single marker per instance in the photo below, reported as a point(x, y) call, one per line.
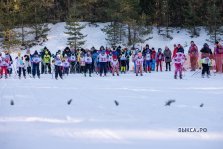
point(129, 19)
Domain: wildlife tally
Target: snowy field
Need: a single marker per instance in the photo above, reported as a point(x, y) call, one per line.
point(41, 118)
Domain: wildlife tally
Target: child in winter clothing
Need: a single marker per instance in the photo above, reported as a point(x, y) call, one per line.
point(36, 60)
point(134, 58)
point(21, 66)
point(109, 62)
point(159, 59)
point(66, 65)
point(3, 67)
point(27, 63)
point(72, 61)
point(88, 64)
point(206, 55)
point(148, 61)
point(128, 54)
point(47, 62)
point(139, 64)
point(153, 59)
point(115, 66)
point(82, 63)
point(167, 56)
point(179, 60)
point(58, 67)
point(103, 62)
point(123, 61)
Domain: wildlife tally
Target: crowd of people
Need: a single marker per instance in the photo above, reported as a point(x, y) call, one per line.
point(111, 60)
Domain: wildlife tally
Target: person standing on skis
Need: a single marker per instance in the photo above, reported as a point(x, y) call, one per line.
point(36, 60)
point(206, 56)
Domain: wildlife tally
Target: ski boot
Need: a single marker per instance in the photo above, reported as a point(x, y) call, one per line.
point(181, 77)
point(175, 76)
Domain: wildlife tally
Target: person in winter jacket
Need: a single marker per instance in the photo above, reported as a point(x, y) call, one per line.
point(95, 61)
point(180, 48)
point(27, 58)
point(88, 64)
point(167, 57)
point(159, 59)
point(144, 52)
point(8, 56)
point(109, 68)
point(103, 58)
point(218, 54)
point(82, 63)
point(179, 60)
point(193, 53)
point(36, 60)
point(66, 65)
point(3, 67)
point(72, 61)
point(67, 52)
point(20, 64)
point(139, 64)
point(174, 50)
point(58, 67)
point(47, 62)
point(115, 66)
point(134, 58)
point(206, 56)
point(148, 61)
point(123, 62)
point(153, 59)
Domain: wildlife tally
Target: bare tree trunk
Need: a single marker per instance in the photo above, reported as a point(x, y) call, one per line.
point(129, 36)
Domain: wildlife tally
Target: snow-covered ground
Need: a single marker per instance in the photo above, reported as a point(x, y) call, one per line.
point(41, 117)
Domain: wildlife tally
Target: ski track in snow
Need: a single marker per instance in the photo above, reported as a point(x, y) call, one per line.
point(41, 117)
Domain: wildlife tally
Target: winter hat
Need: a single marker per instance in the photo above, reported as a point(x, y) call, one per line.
point(159, 50)
point(206, 45)
point(35, 53)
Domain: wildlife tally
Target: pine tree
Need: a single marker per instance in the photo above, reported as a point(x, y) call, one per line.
point(135, 21)
point(8, 21)
point(164, 24)
point(115, 32)
point(40, 28)
point(148, 8)
point(214, 21)
point(76, 38)
point(191, 19)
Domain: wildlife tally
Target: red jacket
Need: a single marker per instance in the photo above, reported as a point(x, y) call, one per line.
point(175, 51)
